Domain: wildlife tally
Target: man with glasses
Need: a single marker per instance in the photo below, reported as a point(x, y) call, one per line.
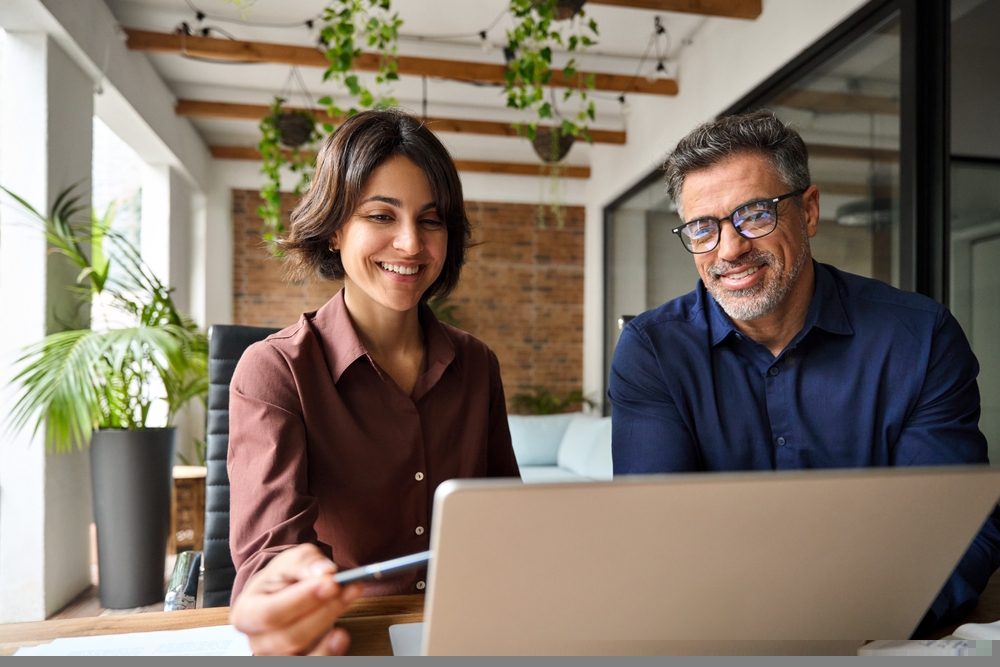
point(778, 362)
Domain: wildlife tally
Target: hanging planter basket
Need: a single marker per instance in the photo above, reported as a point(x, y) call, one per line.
point(564, 9)
point(294, 128)
point(551, 145)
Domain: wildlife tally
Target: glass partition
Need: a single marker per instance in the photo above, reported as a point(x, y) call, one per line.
point(847, 110)
point(975, 284)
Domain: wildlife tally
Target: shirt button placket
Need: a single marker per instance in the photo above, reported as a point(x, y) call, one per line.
point(777, 417)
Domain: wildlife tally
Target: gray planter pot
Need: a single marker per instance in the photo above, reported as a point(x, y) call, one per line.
point(131, 475)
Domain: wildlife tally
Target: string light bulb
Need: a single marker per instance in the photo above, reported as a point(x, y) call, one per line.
point(626, 108)
point(658, 72)
point(485, 43)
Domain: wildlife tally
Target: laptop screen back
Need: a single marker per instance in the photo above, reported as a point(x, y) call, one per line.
point(644, 564)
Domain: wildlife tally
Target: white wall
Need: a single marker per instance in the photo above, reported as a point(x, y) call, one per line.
point(714, 71)
point(62, 51)
point(136, 103)
point(45, 146)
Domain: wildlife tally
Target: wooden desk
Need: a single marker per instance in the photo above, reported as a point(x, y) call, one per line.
point(367, 621)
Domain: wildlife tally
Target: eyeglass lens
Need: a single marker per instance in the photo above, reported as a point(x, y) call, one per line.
point(751, 221)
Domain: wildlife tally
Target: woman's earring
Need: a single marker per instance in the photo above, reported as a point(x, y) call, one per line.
point(331, 248)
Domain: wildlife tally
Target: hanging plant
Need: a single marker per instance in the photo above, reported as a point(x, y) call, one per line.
point(540, 26)
point(565, 9)
point(551, 145)
point(294, 127)
point(537, 31)
point(349, 25)
point(288, 140)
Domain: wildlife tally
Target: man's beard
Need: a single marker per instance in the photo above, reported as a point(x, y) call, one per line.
point(763, 297)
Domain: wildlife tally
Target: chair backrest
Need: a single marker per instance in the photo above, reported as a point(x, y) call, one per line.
point(226, 344)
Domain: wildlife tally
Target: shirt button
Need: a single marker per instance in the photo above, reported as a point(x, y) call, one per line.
point(421, 585)
point(781, 442)
point(419, 530)
point(774, 370)
point(419, 476)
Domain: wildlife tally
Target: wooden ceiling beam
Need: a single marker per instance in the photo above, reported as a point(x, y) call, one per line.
point(454, 125)
point(829, 102)
point(521, 168)
point(231, 50)
point(480, 166)
point(736, 9)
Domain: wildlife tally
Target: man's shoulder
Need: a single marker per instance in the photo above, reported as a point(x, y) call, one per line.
point(879, 298)
point(687, 309)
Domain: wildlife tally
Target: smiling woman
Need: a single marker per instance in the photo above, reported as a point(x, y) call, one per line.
point(343, 425)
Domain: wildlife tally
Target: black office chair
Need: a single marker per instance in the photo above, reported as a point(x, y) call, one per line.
point(226, 344)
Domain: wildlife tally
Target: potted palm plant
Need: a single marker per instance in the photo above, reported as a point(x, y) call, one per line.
point(98, 385)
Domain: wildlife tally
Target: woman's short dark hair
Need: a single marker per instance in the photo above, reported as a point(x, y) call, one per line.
point(345, 162)
point(757, 132)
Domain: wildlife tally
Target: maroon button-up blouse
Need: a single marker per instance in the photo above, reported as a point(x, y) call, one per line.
point(324, 447)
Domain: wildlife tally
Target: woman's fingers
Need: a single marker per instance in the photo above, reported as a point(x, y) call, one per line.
point(290, 606)
point(260, 611)
point(292, 632)
point(335, 642)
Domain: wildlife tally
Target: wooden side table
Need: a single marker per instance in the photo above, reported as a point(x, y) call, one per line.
point(187, 509)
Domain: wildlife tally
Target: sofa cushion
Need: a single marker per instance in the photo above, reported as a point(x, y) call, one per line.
point(586, 447)
point(536, 438)
point(548, 475)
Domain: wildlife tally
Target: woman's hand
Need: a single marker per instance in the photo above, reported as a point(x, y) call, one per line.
point(290, 606)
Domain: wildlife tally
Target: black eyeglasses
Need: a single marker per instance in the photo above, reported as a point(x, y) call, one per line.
point(751, 221)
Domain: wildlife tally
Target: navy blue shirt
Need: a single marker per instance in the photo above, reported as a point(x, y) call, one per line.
point(876, 377)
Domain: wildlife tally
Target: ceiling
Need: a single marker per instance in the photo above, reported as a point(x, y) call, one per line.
point(441, 29)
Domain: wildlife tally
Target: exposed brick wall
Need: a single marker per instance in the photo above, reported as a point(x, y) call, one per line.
point(521, 290)
point(262, 295)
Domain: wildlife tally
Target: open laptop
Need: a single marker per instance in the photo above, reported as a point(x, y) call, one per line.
point(731, 563)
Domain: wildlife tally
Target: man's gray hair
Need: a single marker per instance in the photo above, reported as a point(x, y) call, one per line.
point(758, 132)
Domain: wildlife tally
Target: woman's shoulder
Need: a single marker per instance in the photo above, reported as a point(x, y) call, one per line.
point(276, 357)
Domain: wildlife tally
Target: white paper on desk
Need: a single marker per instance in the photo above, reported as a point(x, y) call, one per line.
point(216, 640)
point(979, 631)
point(946, 646)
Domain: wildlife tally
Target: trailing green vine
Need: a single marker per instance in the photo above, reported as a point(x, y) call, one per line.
point(277, 151)
point(536, 32)
point(348, 25)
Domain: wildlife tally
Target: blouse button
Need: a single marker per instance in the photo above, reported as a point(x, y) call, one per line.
point(420, 530)
point(421, 585)
point(774, 371)
point(419, 476)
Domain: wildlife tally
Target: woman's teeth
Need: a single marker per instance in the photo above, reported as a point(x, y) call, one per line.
point(401, 270)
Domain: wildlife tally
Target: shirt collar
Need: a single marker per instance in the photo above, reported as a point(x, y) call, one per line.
point(343, 347)
point(440, 352)
point(826, 310)
point(340, 341)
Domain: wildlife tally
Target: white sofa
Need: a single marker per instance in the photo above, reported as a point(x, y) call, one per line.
point(562, 448)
